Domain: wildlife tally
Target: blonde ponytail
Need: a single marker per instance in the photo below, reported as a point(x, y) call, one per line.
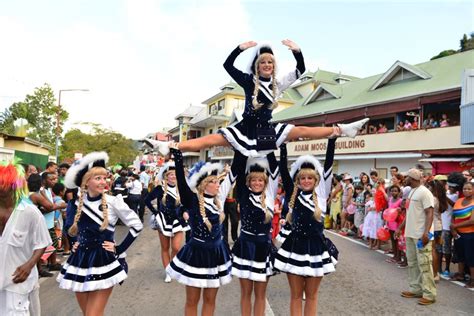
point(291, 204)
point(105, 212)
point(73, 229)
point(317, 209)
point(255, 103)
point(202, 210)
point(165, 189)
point(268, 213)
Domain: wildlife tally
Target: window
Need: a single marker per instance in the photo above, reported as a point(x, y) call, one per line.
point(221, 105)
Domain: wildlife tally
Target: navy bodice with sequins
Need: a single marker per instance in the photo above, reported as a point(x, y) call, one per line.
point(303, 221)
point(252, 215)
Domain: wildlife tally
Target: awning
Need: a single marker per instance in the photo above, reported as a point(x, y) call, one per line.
point(444, 159)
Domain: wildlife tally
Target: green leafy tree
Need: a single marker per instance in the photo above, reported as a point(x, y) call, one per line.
point(40, 110)
point(445, 53)
point(465, 44)
point(119, 148)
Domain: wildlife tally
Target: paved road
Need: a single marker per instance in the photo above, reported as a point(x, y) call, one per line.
point(364, 284)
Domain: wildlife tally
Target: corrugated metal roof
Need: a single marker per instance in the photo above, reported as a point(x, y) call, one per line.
point(445, 75)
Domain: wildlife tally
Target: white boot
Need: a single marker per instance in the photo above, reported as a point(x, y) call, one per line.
point(168, 278)
point(351, 129)
point(161, 147)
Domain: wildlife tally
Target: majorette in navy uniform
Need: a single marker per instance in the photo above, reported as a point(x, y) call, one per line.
point(256, 121)
point(205, 260)
point(90, 267)
point(253, 252)
point(304, 251)
point(167, 217)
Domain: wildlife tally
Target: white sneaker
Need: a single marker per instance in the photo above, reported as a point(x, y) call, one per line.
point(351, 129)
point(168, 278)
point(161, 147)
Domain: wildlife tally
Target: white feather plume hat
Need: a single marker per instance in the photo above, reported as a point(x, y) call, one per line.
point(257, 164)
point(306, 161)
point(74, 175)
point(204, 171)
point(261, 48)
point(165, 168)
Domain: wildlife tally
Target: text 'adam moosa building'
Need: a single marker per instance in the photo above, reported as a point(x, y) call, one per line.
point(414, 111)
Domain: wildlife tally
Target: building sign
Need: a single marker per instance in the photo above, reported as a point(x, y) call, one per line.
point(320, 146)
point(407, 141)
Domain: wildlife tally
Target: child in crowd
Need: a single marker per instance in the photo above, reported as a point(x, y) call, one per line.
point(59, 215)
point(400, 235)
point(372, 222)
point(394, 202)
point(446, 236)
point(359, 202)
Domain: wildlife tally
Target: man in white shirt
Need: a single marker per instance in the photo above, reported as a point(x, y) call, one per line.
point(23, 240)
point(418, 226)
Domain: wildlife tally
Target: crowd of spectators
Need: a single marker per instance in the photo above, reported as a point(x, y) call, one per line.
point(375, 210)
point(410, 123)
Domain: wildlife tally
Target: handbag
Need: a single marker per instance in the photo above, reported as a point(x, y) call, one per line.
point(266, 138)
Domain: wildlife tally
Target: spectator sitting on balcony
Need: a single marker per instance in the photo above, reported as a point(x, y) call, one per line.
point(372, 129)
point(414, 125)
point(444, 120)
point(382, 128)
point(407, 126)
point(427, 123)
point(400, 126)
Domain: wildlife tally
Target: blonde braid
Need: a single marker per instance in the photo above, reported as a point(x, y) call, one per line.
point(221, 213)
point(268, 214)
point(73, 229)
point(255, 103)
point(291, 204)
point(317, 209)
point(105, 212)
point(202, 210)
point(165, 189)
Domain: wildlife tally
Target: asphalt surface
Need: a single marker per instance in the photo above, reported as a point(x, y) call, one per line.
point(364, 284)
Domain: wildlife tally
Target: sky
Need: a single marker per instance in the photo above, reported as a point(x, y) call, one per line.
point(145, 61)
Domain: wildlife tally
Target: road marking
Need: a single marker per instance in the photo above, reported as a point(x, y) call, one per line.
point(268, 309)
point(388, 255)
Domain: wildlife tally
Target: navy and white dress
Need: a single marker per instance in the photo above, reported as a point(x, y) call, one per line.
point(205, 260)
point(168, 217)
point(253, 252)
point(242, 136)
point(91, 267)
point(304, 251)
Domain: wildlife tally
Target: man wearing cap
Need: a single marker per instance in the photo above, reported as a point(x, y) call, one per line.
point(418, 226)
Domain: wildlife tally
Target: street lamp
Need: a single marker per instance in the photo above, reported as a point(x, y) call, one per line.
point(58, 118)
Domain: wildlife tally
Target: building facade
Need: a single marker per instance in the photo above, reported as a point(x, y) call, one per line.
point(414, 112)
